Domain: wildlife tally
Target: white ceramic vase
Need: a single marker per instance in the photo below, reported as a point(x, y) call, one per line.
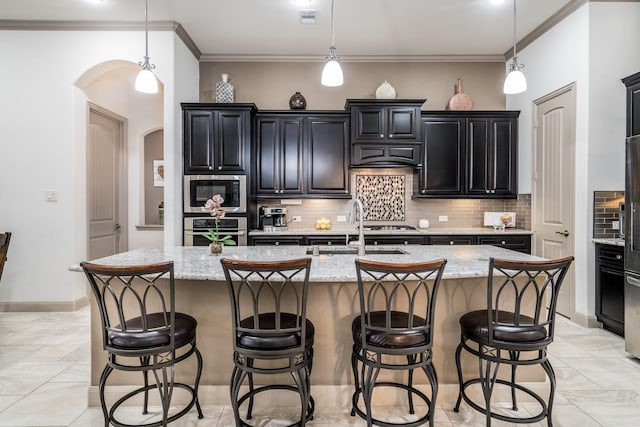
point(385, 91)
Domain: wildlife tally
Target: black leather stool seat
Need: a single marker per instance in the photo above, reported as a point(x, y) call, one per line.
point(278, 341)
point(185, 331)
point(474, 325)
point(390, 339)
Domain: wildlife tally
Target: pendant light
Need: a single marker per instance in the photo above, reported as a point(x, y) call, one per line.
point(332, 72)
point(146, 81)
point(515, 81)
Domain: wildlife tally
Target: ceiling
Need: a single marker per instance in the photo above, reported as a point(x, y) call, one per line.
point(271, 29)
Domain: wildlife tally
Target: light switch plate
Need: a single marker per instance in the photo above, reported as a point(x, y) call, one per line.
point(296, 218)
point(52, 196)
point(341, 218)
point(443, 218)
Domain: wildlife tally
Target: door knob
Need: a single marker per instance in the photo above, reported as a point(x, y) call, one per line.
point(116, 227)
point(565, 233)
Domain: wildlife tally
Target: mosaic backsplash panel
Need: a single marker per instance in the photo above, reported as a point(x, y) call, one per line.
point(382, 197)
point(606, 210)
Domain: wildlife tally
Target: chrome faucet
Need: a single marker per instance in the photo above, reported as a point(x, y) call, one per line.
point(360, 242)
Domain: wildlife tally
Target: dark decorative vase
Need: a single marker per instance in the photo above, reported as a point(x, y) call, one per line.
point(297, 102)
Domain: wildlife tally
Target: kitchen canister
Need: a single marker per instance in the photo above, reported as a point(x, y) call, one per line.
point(385, 91)
point(460, 101)
point(224, 90)
point(297, 102)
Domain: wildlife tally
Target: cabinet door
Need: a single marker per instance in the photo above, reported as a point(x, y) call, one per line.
point(232, 134)
point(443, 159)
point(198, 141)
point(267, 159)
point(403, 123)
point(327, 156)
point(290, 164)
point(369, 123)
point(478, 157)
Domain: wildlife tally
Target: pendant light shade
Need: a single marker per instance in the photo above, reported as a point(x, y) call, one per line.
point(146, 81)
point(515, 81)
point(332, 72)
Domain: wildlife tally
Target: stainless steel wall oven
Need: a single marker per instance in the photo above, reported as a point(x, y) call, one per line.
point(199, 188)
point(196, 227)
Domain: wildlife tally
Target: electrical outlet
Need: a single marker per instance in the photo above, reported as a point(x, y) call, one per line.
point(615, 224)
point(296, 218)
point(52, 196)
point(443, 218)
point(341, 218)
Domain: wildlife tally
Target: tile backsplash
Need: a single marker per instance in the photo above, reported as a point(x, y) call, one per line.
point(606, 210)
point(382, 196)
point(460, 213)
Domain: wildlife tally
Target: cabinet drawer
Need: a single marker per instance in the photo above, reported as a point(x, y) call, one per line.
point(277, 241)
point(452, 240)
point(386, 240)
point(515, 243)
point(610, 254)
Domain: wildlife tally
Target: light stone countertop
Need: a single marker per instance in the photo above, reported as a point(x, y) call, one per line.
point(197, 263)
point(341, 230)
point(617, 241)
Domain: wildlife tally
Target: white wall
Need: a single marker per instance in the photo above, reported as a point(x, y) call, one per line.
point(593, 47)
point(42, 134)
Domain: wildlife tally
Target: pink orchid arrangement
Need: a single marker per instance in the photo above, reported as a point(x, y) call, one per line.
point(214, 206)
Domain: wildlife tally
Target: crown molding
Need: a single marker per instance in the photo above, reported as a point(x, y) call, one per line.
point(86, 25)
point(351, 58)
point(553, 20)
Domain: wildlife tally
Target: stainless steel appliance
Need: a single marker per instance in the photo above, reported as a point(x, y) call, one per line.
point(196, 227)
point(199, 188)
point(272, 218)
point(632, 247)
point(621, 218)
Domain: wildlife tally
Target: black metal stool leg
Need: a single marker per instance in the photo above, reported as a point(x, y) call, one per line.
point(196, 383)
point(460, 383)
point(356, 378)
point(250, 375)
point(144, 361)
point(410, 360)
point(513, 355)
point(430, 371)
point(103, 381)
point(546, 365)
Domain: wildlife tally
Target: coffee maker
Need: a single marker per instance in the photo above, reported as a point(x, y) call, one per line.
point(272, 218)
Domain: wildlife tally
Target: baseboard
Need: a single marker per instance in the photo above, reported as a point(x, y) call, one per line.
point(324, 395)
point(585, 321)
point(38, 306)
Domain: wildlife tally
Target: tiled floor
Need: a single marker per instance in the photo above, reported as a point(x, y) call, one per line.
point(44, 373)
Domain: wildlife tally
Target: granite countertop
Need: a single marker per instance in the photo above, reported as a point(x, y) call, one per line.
point(197, 263)
point(421, 232)
point(614, 241)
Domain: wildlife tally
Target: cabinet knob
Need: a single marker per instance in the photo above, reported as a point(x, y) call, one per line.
point(486, 191)
point(493, 191)
point(406, 243)
point(451, 242)
point(210, 167)
point(219, 168)
point(277, 243)
point(390, 135)
point(618, 256)
point(381, 135)
point(423, 191)
point(504, 243)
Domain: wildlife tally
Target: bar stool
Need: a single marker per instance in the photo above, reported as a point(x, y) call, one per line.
point(271, 332)
point(394, 331)
point(142, 332)
point(515, 330)
point(5, 238)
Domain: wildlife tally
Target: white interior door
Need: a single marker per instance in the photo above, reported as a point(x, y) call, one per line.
point(105, 184)
point(553, 197)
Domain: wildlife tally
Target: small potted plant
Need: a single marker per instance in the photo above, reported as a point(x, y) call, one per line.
point(214, 206)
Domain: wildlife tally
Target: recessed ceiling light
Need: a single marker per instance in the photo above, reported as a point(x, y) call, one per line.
point(302, 2)
point(496, 1)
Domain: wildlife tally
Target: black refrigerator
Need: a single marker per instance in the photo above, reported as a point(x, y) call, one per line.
point(632, 247)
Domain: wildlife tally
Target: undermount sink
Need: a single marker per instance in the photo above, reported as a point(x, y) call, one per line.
point(354, 251)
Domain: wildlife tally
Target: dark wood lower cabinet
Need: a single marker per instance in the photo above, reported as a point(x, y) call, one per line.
point(610, 287)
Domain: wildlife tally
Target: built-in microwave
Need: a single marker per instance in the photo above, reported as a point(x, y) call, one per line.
point(199, 188)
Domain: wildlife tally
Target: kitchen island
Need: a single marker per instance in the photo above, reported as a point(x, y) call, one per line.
point(332, 305)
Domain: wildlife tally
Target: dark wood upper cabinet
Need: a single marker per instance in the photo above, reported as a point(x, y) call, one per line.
point(633, 104)
point(327, 156)
point(278, 156)
point(301, 154)
point(385, 132)
point(468, 154)
point(492, 156)
point(216, 137)
point(443, 150)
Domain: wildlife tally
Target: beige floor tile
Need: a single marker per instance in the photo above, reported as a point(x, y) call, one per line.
point(22, 378)
point(50, 405)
